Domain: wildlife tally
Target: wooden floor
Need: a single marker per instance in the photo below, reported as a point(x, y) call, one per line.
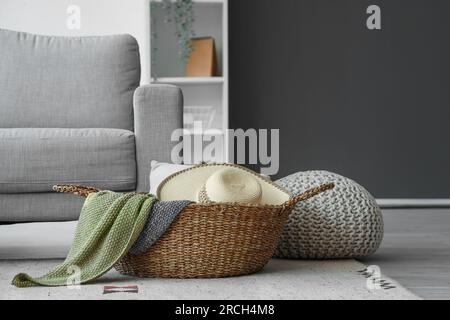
point(416, 250)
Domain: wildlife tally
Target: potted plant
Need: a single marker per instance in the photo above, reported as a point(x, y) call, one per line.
point(181, 13)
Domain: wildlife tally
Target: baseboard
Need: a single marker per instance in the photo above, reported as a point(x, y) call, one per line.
point(414, 203)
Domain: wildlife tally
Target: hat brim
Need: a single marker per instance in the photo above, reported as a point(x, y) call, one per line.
point(186, 184)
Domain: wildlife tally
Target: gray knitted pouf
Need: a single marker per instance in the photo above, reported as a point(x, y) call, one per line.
point(345, 222)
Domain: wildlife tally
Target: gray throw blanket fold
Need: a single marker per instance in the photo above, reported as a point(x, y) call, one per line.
point(163, 213)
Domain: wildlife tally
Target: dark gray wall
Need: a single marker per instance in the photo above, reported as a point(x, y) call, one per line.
point(371, 105)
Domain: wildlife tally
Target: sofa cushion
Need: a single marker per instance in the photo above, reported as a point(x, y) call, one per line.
point(33, 160)
point(39, 207)
point(67, 82)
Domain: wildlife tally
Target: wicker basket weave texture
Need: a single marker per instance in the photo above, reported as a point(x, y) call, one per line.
point(211, 240)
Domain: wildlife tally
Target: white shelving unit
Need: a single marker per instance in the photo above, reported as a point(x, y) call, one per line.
point(211, 19)
point(190, 80)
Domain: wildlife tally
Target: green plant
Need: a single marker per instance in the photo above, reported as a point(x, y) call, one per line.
point(181, 12)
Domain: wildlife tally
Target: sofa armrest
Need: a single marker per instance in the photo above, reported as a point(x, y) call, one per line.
point(158, 111)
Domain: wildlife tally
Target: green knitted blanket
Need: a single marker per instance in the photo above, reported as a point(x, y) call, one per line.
point(109, 225)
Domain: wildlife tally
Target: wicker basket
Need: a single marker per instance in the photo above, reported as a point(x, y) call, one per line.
point(211, 240)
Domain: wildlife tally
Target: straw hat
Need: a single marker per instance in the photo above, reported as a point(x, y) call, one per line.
point(222, 183)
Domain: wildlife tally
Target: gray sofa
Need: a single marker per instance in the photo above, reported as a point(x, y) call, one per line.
point(72, 112)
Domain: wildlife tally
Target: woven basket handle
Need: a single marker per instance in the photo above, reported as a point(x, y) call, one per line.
point(75, 189)
point(309, 194)
point(85, 191)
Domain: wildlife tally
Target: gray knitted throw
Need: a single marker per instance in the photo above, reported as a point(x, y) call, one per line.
point(162, 214)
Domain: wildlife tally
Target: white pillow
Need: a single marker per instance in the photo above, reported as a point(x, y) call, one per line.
point(160, 171)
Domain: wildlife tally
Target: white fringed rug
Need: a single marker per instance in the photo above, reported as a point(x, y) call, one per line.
point(280, 279)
